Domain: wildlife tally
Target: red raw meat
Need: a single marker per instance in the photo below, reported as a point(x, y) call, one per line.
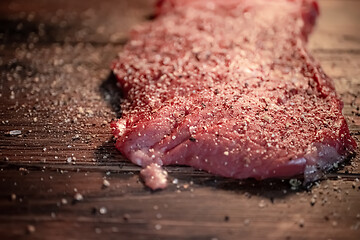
point(230, 88)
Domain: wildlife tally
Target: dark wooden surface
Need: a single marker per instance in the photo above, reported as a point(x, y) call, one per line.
point(56, 88)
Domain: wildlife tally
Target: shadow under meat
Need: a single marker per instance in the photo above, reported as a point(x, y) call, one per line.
point(267, 188)
point(111, 93)
point(106, 154)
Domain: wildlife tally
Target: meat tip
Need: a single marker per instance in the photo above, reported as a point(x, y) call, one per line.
point(154, 176)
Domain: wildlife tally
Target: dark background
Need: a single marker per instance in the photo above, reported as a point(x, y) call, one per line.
point(56, 88)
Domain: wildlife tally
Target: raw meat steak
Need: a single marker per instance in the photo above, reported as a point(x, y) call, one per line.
point(229, 87)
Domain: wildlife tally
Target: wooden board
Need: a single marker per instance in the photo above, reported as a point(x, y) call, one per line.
point(56, 88)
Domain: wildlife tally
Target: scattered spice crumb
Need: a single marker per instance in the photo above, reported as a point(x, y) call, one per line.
point(158, 226)
point(30, 229)
point(126, 217)
point(295, 183)
point(262, 204)
point(78, 197)
point(301, 223)
point(13, 197)
point(13, 133)
point(103, 210)
point(106, 183)
point(312, 201)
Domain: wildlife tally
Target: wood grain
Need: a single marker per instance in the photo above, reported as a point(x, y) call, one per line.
point(57, 89)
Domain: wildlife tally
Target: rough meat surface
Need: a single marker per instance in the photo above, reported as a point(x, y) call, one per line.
point(229, 87)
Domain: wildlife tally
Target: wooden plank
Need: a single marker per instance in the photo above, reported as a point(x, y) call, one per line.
point(176, 210)
point(56, 88)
